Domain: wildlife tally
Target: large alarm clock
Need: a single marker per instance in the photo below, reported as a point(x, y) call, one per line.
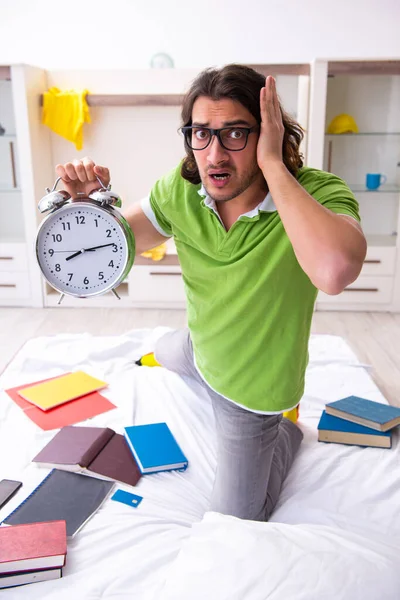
point(84, 248)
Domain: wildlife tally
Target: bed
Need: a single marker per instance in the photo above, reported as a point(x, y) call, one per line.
point(335, 533)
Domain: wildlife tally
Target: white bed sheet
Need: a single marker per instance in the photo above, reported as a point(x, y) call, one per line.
point(230, 559)
point(333, 492)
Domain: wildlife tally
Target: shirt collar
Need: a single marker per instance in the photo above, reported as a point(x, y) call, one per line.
point(267, 205)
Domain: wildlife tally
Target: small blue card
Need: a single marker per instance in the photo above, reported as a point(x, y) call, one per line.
point(127, 498)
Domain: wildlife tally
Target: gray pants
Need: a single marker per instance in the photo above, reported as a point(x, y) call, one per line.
point(254, 452)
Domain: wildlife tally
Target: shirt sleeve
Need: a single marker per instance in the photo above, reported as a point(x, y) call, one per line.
point(150, 214)
point(158, 207)
point(333, 193)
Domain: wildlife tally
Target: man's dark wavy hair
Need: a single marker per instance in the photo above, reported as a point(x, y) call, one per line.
point(242, 84)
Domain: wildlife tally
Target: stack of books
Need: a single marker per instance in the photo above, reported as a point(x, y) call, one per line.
point(32, 552)
point(358, 421)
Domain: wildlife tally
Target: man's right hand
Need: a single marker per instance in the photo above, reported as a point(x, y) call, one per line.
point(79, 177)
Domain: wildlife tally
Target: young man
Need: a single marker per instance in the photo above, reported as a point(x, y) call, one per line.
point(257, 235)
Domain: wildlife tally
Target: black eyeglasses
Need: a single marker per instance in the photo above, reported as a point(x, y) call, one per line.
point(230, 138)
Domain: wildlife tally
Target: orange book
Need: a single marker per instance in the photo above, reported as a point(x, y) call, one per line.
point(60, 390)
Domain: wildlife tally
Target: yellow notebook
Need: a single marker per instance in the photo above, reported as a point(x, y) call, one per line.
point(61, 389)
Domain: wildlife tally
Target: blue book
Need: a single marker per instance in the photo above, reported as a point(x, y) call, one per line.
point(339, 431)
point(155, 448)
point(375, 415)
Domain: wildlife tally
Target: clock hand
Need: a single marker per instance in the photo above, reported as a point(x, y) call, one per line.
point(88, 250)
point(95, 247)
point(78, 253)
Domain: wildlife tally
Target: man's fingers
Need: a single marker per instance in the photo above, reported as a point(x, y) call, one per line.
point(267, 107)
point(89, 166)
point(271, 97)
point(80, 170)
point(275, 98)
point(269, 103)
point(62, 173)
point(103, 173)
point(265, 112)
point(70, 171)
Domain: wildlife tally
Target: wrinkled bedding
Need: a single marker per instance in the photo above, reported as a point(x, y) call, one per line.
point(335, 532)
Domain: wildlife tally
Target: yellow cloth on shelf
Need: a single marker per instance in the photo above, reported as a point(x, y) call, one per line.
point(156, 253)
point(65, 113)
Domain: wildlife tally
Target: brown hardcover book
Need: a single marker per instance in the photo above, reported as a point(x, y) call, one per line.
point(96, 451)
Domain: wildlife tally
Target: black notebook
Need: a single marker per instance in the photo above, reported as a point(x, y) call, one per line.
point(64, 496)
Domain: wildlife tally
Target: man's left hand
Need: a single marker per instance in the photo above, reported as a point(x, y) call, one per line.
point(270, 142)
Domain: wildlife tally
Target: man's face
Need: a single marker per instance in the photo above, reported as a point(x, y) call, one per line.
point(226, 174)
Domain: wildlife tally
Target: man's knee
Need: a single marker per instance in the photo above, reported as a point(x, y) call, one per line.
point(173, 351)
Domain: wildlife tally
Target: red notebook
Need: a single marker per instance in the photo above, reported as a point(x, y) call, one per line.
point(32, 546)
point(70, 413)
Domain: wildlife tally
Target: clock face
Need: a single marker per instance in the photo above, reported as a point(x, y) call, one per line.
point(82, 250)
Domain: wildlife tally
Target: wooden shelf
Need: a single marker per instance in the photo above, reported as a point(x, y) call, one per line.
point(364, 67)
point(282, 69)
point(132, 99)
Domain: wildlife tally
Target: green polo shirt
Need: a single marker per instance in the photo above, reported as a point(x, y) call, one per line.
point(249, 302)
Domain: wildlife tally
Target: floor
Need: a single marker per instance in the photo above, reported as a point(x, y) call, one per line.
point(375, 337)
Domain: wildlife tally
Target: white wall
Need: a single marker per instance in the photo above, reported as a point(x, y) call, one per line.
point(196, 33)
point(138, 144)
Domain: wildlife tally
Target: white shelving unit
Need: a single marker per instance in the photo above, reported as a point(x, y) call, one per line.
point(23, 160)
point(370, 92)
point(13, 259)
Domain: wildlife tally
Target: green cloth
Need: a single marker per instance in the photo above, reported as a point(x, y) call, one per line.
point(249, 302)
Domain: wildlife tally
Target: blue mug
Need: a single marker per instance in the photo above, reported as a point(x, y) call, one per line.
point(374, 180)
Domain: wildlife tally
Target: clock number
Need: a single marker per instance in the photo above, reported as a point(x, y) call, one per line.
point(97, 223)
point(70, 276)
point(115, 248)
point(111, 263)
point(80, 220)
point(66, 226)
point(57, 237)
point(58, 268)
point(86, 281)
point(101, 275)
point(51, 251)
point(108, 231)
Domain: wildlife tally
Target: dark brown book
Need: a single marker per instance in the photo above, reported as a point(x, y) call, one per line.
point(96, 451)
